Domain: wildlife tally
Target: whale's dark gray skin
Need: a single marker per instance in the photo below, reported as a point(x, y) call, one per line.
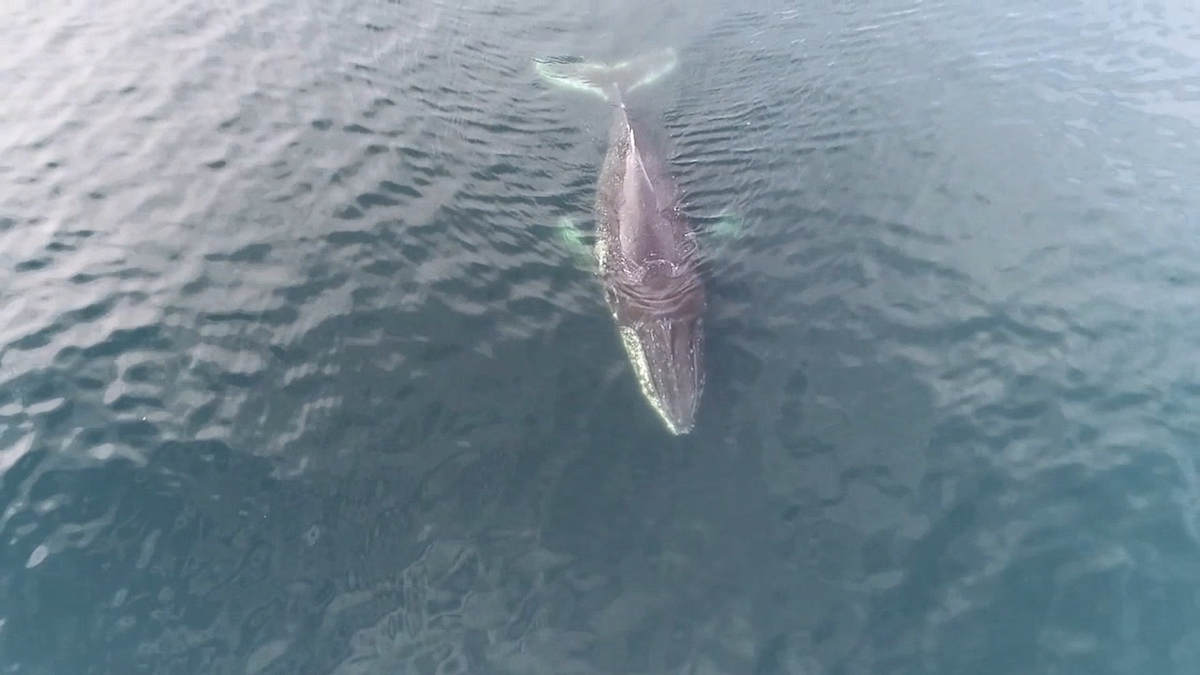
point(646, 251)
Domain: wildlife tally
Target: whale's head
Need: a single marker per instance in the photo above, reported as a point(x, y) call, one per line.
point(668, 359)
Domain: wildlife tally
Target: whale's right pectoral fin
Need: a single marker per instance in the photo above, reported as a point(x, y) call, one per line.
point(576, 242)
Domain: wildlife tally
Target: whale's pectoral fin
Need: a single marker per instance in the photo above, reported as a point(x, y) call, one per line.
point(728, 225)
point(724, 227)
point(571, 236)
point(576, 242)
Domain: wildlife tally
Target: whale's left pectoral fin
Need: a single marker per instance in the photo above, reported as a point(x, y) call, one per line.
point(576, 242)
point(729, 225)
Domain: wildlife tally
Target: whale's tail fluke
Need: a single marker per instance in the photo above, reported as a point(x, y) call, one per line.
point(610, 81)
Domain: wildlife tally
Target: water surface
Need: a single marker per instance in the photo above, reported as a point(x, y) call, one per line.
point(295, 377)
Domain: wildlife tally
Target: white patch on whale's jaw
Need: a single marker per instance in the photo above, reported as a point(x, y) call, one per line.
point(641, 370)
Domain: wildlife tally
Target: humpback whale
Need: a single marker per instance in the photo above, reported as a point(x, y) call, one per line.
point(646, 252)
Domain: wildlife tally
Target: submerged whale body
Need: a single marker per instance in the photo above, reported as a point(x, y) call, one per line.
point(645, 250)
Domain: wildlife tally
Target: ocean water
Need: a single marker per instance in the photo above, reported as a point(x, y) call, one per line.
point(295, 376)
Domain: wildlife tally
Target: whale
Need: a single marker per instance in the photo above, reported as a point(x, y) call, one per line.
point(645, 250)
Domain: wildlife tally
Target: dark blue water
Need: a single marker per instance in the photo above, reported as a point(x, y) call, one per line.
point(296, 378)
